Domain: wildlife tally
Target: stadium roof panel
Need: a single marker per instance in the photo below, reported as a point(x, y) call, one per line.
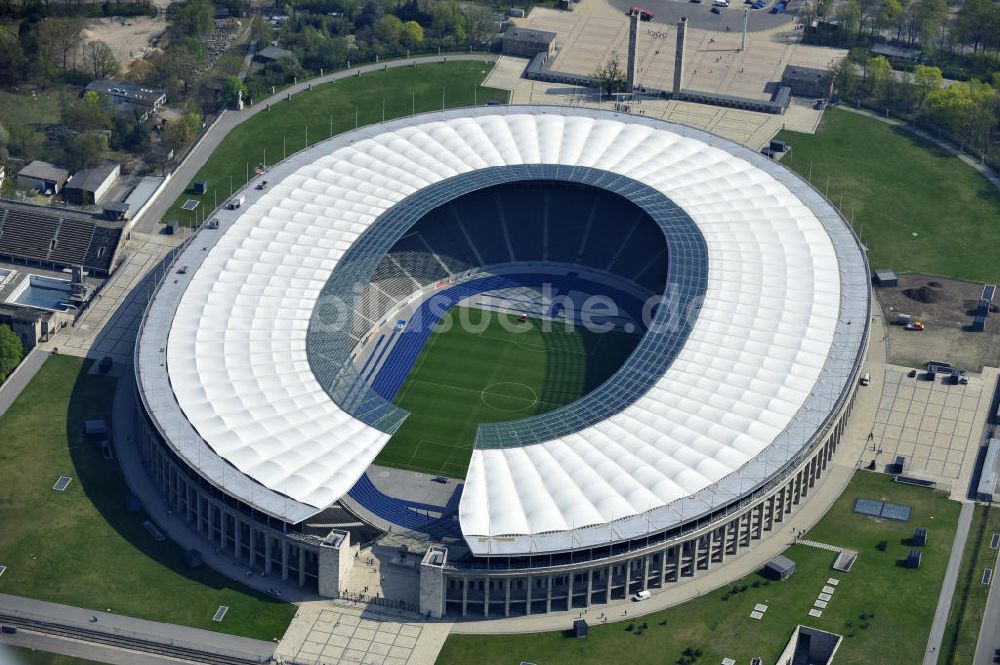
point(768, 360)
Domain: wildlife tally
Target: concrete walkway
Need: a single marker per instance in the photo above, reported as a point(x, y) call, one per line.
point(948, 587)
point(16, 608)
point(965, 157)
point(150, 217)
point(21, 377)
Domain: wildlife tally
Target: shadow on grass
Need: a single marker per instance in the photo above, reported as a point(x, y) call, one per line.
point(102, 480)
point(103, 483)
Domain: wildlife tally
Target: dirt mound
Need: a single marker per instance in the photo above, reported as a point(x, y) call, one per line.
point(924, 294)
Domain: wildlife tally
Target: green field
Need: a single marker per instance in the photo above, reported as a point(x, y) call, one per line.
point(492, 371)
point(969, 604)
point(917, 207)
point(897, 603)
point(355, 101)
point(82, 547)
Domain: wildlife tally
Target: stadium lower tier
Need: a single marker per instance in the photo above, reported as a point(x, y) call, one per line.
point(320, 560)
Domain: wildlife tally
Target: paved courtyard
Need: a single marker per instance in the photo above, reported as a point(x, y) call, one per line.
point(936, 426)
point(335, 633)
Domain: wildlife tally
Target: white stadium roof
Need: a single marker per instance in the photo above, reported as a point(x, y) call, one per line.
point(223, 364)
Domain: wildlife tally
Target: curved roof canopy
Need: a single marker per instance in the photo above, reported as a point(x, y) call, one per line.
point(768, 357)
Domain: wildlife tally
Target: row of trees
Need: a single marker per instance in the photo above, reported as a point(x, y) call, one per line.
point(930, 25)
point(966, 112)
point(50, 48)
point(11, 352)
point(329, 33)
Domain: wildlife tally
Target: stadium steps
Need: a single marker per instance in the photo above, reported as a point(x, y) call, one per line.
point(410, 515)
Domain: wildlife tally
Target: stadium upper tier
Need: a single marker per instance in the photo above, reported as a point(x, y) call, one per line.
point(764, 363)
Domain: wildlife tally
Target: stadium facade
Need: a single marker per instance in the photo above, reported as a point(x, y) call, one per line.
point(259, 415)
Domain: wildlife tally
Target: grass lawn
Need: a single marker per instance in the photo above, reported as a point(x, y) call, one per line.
point(894, 184)
point(19, 656)
point(966, 615)
point(82, 547)
point(401, 89)
point(490, 371)
point(21, 109)
point(898, 602)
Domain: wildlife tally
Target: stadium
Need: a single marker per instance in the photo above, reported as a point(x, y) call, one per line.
point(633, 347)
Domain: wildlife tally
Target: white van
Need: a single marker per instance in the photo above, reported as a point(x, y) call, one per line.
point(866, 379)
point(720, 3)
point(642, 595)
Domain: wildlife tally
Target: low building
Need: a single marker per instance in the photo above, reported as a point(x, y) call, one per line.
point(129, 97)
point(271, 54)
point(779, 568)
point(898, 52)
point(89, 186)
point(885, 277)
point(808, 81)
point(527, 43)
point(42, 177)
point(987, 487)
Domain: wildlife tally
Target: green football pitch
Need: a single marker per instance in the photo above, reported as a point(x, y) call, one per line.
point(490, 370)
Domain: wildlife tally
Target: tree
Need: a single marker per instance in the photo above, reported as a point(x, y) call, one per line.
point(388, 30)
point(58, 38)
point(12, 60)
point(139, 71)
point(610, 77)
point(232, 87)
point(88, 113)
point(100, 60)
point(876, 75)
point(480, 23)
point(845, 79)
point(928, 79)
point(411, 34)
point(11, 352)
point(85, 150)
point(24, 142)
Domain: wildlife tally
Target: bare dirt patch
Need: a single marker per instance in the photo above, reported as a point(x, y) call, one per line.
point(129, 37)
point(945, 306)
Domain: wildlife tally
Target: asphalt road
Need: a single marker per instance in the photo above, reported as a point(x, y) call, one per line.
point(14, 608)
point(989, 633)
point(149, 220)
point(948, 587)
point(699, 14)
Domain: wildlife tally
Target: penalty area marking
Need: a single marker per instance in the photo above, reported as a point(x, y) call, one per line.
point(484, 394)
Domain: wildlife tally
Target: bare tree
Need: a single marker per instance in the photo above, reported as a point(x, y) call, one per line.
point(60, 37)
point(610, 77)
point(100, 59)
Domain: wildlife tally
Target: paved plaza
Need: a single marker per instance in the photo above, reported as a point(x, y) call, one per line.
point(714, 61)
point(936, 426)
point(335, 633)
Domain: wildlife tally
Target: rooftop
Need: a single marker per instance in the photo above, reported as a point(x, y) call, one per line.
point(528, 34)
point(89, 180)
point(44, 171)
point(767, 364)
point(272, 53)
point(138, 94)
